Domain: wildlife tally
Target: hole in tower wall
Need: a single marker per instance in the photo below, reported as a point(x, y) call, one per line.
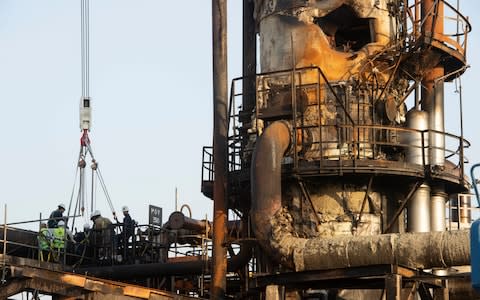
point(345, 30)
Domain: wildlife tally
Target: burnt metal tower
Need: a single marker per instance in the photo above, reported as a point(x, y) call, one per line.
point(337, 152)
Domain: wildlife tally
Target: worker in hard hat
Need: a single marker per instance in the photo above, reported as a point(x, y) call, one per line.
point(128, 228)
point(45, 239)
point(61, 234)
point(100, 222)
point(128, 223)
point(103, 237)
point(56, 216)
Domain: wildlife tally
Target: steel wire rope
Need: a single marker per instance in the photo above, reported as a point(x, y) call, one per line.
point(82, 52)
point(102, 181)
point(107, 195)
point(77, 205)
point(92, 188)
point(87, 46)
point(71, 195)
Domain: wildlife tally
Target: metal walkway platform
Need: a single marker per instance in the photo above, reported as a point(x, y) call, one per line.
point(22, 274)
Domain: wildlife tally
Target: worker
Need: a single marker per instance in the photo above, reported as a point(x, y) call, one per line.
point(99, 222)
point(128, 229)
point(128, 224)
point(60, 235)
point(82, 240)
point(44, 242)
point(103, 238)
point(56, 216)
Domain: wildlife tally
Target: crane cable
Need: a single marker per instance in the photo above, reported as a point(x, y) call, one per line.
point(85, 47)
point(85, 122)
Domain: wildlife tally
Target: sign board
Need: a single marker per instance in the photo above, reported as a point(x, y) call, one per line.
point(154, 215)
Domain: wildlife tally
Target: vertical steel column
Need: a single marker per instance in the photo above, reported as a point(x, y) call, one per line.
point(418, 210)
point(433, 103)
point(438, 198)
point(432, 93)
point(274, 292)
point(393, 287)
point(220, 100)
point(249, 58)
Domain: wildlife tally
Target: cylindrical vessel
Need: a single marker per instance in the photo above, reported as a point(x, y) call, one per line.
point(437, 212)
point(418, 211)
point(417, 141)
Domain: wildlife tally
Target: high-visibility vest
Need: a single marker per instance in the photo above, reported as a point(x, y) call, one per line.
point(58, 237)
point(44, 238)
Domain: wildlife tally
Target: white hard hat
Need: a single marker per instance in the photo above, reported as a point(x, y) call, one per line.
point(61, 223)
point(86, 226)
point(125, 208)
point(61, 205)
point(95, 213)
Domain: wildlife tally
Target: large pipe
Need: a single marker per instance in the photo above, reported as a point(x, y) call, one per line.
point(416, 250)
point(417, 141)
point(271, 225)
point(177, 220)
point(438, 199)
point(433, 91)
point(220, 100)
point(163, 269)
point(266, 179)
point(418, 210)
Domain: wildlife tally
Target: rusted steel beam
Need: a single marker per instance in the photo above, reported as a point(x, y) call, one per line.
point(220, 102)
point(13, 287)
point(70, 284)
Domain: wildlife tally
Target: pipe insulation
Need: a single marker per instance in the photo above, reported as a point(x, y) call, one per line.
point(416, 250)
point(272, 225)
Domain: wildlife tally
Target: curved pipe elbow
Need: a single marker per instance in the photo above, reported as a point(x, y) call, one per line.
point(266, 177)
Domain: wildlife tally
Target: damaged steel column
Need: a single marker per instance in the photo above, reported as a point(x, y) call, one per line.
point(220, 100)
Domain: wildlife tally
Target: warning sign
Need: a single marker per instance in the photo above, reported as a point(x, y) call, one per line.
point(154, 215)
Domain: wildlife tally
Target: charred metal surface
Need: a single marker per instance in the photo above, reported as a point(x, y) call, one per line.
point(266, 179)
point(416, 250)
point(334, 75)
point(274, 226)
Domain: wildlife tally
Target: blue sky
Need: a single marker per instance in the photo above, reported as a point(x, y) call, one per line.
point(151, 89)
